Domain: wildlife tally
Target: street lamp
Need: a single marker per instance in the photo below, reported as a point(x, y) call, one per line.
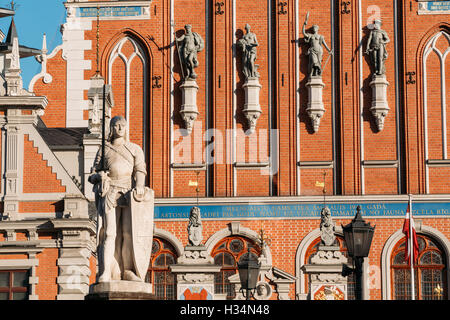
point(358, 237)
point(248, 273)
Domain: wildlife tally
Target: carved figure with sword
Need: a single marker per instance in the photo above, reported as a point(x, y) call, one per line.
point(315, 51)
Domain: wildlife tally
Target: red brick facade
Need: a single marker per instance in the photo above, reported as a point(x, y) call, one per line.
point(360, 161)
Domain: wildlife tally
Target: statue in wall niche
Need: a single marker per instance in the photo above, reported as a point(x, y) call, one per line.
point(315, 51)
point(248, 44)
point(124, 205)
point(190, 44)
point(376, 48)
point(195, 227)
point(327, 227)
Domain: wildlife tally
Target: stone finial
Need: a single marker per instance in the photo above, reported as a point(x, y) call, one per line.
point(12, 71)
point(95, 95)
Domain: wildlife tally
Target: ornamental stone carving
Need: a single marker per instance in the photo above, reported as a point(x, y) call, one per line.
point(195, 227)
point(315, 108)
point(188, 45)
point(252, 109)
point(327, 227)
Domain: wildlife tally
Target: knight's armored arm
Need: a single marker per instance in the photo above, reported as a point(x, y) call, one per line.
point(140, 170)
point(95, 177)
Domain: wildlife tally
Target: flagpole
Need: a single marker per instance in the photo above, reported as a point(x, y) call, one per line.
point(411, 250)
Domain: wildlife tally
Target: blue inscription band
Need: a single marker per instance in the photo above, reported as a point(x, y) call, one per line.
point(91, 12)
point(375, 210)
point(438, 6)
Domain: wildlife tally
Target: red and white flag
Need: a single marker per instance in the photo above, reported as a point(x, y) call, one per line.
point(408, 230)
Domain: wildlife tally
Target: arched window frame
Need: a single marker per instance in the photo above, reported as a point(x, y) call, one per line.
point(225, 249)
point(389, 246)
point(425, 247)
point(168, 289)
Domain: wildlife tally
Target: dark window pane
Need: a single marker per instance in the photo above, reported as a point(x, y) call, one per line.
point(155, 247)
point(400, 258)
point(421, 243)
point(169, 259)
point(228, 259)
point(160, 261)
point(236, 245)
point(436, 258)
point(4, 279)
point(426, 258)
point(4, 296)
point(20, 296)
point(20, 279)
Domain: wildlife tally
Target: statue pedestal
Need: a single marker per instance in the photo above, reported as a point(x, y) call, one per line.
point(252, 108)
point(325, 273)
point(315, 108)
point(380, 106)
point(195, 270)
point(189, 110)
point(121, 290)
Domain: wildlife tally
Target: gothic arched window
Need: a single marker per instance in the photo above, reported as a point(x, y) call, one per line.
point(313, 248)
point(430, 280)
point(163, 280)
point(128, 74)
point(436, 70)
point(227, 253)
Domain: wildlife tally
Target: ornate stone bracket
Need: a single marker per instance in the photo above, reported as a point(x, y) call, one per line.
point(325, 270)
point(195, 255)
point(189, 110)
point(315, 108)
point(380, 106)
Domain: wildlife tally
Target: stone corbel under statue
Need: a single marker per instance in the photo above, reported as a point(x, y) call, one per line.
point(315, 108)
point(379, 108)
point(189, 110)
point(252, 109)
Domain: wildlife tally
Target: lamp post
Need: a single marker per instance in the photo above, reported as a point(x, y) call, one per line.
point(248, 274)
point(358, 237)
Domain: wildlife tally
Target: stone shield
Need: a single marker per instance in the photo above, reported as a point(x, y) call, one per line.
point(142, 212)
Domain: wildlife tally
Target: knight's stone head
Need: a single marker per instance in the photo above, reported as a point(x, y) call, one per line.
point(247, 27)
point(188, 28)
point(315, 28)
point(118, 128)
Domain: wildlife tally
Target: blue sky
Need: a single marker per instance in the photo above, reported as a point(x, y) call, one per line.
point(34, 18)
